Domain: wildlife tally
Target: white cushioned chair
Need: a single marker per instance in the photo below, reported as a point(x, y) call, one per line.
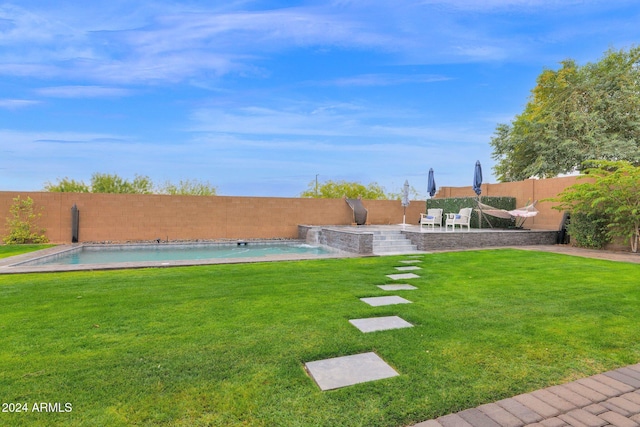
point(432, 218)
point(462, 219)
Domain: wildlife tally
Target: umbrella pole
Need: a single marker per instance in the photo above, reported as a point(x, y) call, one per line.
point(482, 215)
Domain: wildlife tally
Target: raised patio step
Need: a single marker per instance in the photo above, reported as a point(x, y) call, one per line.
point(391, 242)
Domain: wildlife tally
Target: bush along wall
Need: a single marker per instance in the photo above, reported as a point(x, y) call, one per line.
point(589, 231)
point(454, 204)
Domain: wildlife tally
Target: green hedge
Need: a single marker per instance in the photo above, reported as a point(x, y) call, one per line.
point(454, 204)
point(589, 230)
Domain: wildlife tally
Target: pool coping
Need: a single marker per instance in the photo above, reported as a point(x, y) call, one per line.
point(12, 265)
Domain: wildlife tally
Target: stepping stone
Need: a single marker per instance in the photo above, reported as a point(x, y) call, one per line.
point(410, 261)
point(344, 371)
point(402, 276)
point(399, 287)
point(380, 301)
point(374, 324)
point(408, 268)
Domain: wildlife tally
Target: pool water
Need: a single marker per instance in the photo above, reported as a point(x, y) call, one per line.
point(103, 254)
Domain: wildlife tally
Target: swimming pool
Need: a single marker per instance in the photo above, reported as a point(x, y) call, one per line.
point(136, 253)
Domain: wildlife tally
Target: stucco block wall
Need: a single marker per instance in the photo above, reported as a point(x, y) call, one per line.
point(525, 192)
point(128, 217)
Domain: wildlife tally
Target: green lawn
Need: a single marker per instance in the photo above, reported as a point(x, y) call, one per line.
point(12, 250)
point(224, 345)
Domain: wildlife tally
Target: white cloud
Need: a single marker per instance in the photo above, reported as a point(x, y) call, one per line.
point(14, 104)
point(490, 6)
point(83, 92)
point(387, 79)
point(160, 42)
point(269, 121)
point(331, 128)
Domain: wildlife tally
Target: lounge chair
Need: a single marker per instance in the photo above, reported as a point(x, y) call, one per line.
point(462, 219)
point(432, 218)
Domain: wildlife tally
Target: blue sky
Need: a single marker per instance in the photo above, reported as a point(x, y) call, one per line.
point(259, 97)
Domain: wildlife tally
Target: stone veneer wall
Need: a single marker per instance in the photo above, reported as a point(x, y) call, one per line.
point(350, 241)
point(361, 242)
point(480, 239)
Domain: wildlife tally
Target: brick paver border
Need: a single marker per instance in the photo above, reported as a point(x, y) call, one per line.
point(608, 399)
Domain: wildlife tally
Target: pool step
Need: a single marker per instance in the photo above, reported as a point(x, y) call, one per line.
point(391, 242)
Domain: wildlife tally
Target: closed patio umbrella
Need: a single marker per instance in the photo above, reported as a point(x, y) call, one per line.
point(477, 178)
point(477, 188)
point(405, 200)
point(431, 184)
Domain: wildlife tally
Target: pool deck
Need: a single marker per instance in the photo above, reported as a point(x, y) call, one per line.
point(433, 241)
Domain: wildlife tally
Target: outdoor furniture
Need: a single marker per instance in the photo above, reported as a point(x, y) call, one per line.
point(359, 211)
point(518, 216)
point(462, 219)
point(432, 218)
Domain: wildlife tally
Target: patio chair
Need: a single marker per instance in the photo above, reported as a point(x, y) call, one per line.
point(432, 218)
point(462, 219)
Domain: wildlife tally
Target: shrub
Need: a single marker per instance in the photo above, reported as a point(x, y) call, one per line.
point(22, 223)
point(589, 230)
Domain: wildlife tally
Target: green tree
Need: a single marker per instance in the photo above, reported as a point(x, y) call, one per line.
point(573, 115)
point(112, 183)
point(189, 187)
point(22, 223)
point(612, 194)
point(413, 194)
point(67, 185)
point(108, 183)
point(339, 189)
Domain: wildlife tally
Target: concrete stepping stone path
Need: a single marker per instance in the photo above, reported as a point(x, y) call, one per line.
point(398, 287)
point(408, 268)
point(374, 324)
point(381, 301)
point(402, 276)
point(344, 371)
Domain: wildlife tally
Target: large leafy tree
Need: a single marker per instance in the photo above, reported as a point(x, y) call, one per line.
point(612, 193)
point(339, 189)
point(574, 114)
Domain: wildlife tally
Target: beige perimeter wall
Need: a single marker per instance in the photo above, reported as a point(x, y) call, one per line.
point(124, 217)
point(525, 192)
point(128, 217)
